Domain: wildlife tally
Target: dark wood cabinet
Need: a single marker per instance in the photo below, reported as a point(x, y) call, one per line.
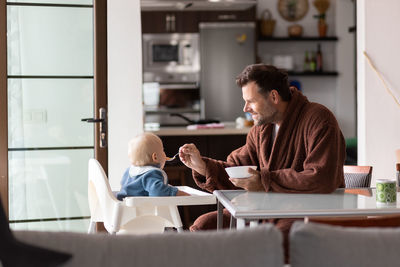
point(213, 146)
point(169, 22)
point(154, 22)
point(188, 21)
point(226, 15)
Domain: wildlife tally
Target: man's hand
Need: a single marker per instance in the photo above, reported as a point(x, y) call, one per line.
point(190, 156)
point(253, 183)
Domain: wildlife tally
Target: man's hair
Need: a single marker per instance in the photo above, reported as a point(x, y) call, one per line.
point(141, 148)
point(267, 78)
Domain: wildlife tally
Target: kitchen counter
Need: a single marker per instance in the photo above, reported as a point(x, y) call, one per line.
point(229, 129)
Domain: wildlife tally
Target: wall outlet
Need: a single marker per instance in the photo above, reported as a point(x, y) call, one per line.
point(36, 116)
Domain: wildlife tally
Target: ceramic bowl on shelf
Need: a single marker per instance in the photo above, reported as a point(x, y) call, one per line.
point(239, 171)
point(295, 30)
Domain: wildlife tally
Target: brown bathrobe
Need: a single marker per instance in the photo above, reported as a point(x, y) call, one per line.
point(307, 156)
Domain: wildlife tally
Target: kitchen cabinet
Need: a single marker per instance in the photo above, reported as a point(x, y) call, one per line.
point(169, 22)
point(226, 15)
point(213, 146)
point(188, 21)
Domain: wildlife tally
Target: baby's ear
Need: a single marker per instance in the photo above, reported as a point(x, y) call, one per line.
point(154, 157)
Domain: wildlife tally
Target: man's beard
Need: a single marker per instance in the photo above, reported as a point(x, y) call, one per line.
point(267, 119)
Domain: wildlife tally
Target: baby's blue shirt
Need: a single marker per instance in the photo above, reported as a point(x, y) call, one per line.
point(145, 181)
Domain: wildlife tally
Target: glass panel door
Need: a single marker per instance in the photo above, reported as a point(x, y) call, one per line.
point(50, 88)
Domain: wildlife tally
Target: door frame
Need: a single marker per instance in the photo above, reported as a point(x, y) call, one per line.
point(3, 108)
point(100, 89)
point(100, 75)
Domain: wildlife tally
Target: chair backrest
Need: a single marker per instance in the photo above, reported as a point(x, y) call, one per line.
point(325, 245)
point(357, 176)
point(361, 221)
point(102, 203)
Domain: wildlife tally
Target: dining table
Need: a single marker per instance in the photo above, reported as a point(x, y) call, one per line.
point(248, 208)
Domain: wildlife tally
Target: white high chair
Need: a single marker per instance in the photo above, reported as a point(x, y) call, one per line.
point(141, 214)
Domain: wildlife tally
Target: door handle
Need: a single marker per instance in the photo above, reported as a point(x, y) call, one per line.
point(103, 126)
point(92, 120)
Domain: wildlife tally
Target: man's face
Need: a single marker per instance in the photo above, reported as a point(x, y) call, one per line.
point(260, 107)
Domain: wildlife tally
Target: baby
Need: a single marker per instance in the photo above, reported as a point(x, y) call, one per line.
point(145, 176)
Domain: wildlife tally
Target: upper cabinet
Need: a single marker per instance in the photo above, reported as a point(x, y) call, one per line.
point(226, 15)
point(169, 22)
point(188, 21)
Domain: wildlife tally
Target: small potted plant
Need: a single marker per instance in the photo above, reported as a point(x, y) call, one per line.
point(322, 6)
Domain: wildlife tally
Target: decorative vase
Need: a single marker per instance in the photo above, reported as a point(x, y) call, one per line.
point(322, 28)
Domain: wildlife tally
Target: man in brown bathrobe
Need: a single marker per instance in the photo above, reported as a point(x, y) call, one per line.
point(297, 145)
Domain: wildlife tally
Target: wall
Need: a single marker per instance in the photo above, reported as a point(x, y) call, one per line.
point(337, 93)
point(308, 22)
point(378, 115)
point(124, 83)
point(345, 63)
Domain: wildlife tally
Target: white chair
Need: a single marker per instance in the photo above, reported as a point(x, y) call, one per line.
point(142, 215)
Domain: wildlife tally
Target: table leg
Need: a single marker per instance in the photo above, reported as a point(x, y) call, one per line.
point(220, 218)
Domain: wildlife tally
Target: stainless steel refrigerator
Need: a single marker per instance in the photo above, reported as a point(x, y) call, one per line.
point(225, 49)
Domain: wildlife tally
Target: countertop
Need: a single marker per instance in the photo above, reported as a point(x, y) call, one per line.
point(229, 129)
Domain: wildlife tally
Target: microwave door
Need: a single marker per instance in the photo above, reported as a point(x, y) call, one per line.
point(163, 54)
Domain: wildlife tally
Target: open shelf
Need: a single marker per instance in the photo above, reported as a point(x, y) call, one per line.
point(310, 73)
point(288, 39)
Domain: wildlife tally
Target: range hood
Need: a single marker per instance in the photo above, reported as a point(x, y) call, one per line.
point(196, 5)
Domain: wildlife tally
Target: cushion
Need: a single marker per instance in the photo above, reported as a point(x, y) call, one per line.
point(324, 245)
point(260, 246)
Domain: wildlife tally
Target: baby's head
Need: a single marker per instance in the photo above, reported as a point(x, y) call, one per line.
point(146, 149)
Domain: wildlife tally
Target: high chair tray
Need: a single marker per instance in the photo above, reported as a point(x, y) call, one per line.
point(196, 197)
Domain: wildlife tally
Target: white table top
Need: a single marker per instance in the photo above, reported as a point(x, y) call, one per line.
point(343, 202)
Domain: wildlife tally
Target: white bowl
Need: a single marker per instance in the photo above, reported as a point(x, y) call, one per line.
point(239, 171)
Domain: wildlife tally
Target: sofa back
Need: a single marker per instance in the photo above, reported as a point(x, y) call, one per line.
point(314, 244)
point(260, 246)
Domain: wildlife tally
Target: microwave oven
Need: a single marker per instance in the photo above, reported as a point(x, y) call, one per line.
point(171, 57)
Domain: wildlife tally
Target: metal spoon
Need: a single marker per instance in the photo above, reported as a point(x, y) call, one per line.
point(171, 159)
